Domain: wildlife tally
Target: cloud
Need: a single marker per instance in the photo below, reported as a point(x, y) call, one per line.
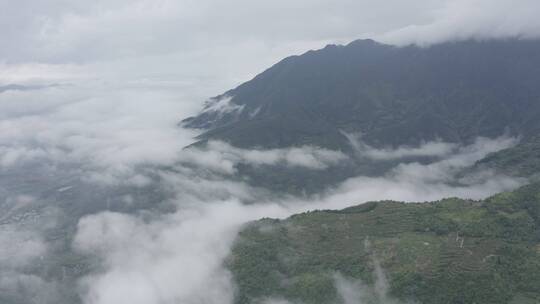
point(13, 155)
point(157, 252)
point(221, 106)
point(109, 130)
point(23, 249)
point(429, 149)
point(122, 134)
point(446, 169)
point(172, 249)
point(176, 258)
point(222, 157)
point(27, 288)
point(113, 131)
point(428, 182)
point(20, 247)
point(66, 32)
point(57, 30)
point(354, 291)
point(472, 19)
point(129, 70)
point(211, 46)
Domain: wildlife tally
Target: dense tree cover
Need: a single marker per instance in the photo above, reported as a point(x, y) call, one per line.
point(521, 160)
point(452, 91)
point(450, 251)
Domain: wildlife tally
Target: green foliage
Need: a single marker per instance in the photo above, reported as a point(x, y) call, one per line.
point(521, 160)
point(451, 251)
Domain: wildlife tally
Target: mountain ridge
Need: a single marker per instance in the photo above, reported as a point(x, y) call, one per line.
point(391, 95)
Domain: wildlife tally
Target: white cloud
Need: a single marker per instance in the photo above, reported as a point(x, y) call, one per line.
point(215, 45)
point(222, 157)
point(466, 19)
point(29, 287)
point(129, 70)
point(463, 157)
point(222, 106)
point(171, 257)
point(113, 130)
point(58, 30)
point(110, 130)
point(177, 258)
point(11, 156)
point(429, 149)
point(20, 247)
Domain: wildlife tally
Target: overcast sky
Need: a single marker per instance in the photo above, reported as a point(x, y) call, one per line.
point(207, 46)
point(126, 71)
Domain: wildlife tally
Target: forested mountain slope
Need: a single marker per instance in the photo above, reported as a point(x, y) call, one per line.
point(450, 251)
point(390, 95)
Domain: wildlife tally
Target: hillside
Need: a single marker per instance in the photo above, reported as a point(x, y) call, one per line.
point(521, 160)
point(450, 251)
point(392, 96)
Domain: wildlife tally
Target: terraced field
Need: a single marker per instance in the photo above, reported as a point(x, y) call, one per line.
point(451, 251)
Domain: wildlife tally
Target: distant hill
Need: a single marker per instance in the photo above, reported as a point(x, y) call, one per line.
point(19, 87)
point(450, 251)
point(390, 95)
point(521, 160)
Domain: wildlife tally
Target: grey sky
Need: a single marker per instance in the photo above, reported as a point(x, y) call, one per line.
point(218, 44)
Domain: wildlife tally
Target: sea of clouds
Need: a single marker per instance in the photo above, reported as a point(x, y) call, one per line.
point(86, 138)
point(92, 161)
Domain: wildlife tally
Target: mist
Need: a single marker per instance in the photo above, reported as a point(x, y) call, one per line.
point(94, 167)
point(169, 246)
point(193, 241)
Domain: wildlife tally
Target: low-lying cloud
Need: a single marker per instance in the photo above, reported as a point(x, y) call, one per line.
point(109, 130)
point(195, 239)
point(222, 157)
point(428, 149)
point(108, 88)
point(353, 291)
point(172, 249)
point(23, 250)
point(114, 130)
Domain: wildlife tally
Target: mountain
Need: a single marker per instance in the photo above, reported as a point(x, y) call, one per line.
point(521, 160)
point(18, 87)
point(392, 96)
point(450, 251)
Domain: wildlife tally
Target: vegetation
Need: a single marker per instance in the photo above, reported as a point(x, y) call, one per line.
point(521, 160)
point(450, 251)
point(453, 91)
